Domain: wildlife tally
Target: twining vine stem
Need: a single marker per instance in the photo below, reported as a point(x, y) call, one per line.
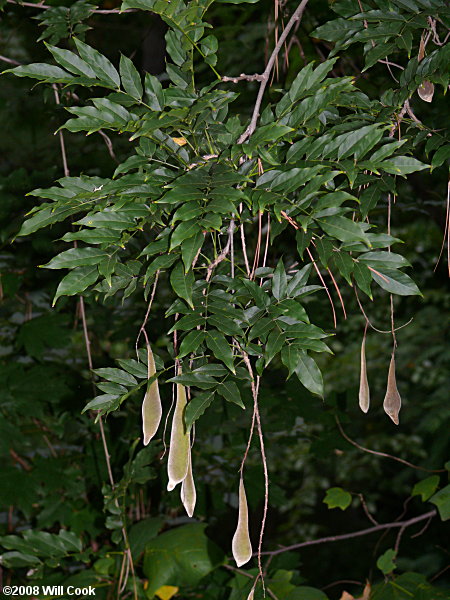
point(345, 536)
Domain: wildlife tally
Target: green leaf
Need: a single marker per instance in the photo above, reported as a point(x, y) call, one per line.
point(190, 248)
point(141, 532)
point(154, 92)
point(395, 282)
point(402, 165)
point(275, 342)
point(180, 557)
point(105, 402)
point(442, 501)
point(183, 231)
point(44, 72)
point(191, 342)
point(196, 407)
point(182, 283)
point(382, 260)
point(109, 220)
point(426, 487)
point(309, 374)
point(134, 367)
point(76, 282)
point(131, 80)
point(386, 562)
point(230, 391)
point(343, 229)
point(102, 67)
point(15, 559)
point(116, 376)
point(71, 61)
point(336, 497)
point(220, 348)
point(363, 277)
point(76, 257)
point(290, 357)
point(279, 281)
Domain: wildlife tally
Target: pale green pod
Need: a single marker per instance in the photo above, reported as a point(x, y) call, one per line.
point(241, 545)
point(178, 461)
point(188, 492)
point(364, 394)
point(151, 406)
point(392, 401)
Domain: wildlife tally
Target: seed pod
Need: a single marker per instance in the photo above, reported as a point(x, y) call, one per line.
point(392, 401)
point(151, 406)
point(426, 91)
point(241, 545)
point(251, 594)
point(178, 461)
point(188, 493)
point(364, 394)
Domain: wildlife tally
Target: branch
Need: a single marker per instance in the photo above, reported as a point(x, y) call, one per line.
point(97, 11)
point(243, 77)
point(298, 13)
point(361, 532)
point(223, 254)
point(11, 61)
point(384, 454)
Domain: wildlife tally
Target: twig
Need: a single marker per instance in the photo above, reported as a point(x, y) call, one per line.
point(11, 61)
point(108, 145)
point(366, 510)
point(324, 285)
point(144, 323)
point(97, 11)
point(297, 15)
point(361, 532)
point(384, 454)
point(243, 77)
point(389, 331)
point(255, 390)
point(223, 254)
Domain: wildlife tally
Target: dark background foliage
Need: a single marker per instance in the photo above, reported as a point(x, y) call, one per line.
point(53, 474)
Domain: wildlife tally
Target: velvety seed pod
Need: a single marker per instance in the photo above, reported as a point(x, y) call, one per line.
point(188, 492)
point(364, 394)
point(151, 406)
point(392, 401)
point(241, 545)
point(178, 461)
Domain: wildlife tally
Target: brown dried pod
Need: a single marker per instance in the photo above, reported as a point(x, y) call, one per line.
point(392, 400)
point(241, 545)
point(151, 406)
point(188, 492)
point(364, 393)
point(178, 461)
point(426, 91)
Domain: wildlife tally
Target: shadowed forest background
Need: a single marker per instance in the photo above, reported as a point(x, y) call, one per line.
point(323, 481)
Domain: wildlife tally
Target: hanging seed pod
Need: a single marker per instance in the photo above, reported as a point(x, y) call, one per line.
point(241, 545)
point(392, 401)
point(188, 493)
point(364, 394)
point(426, 91)
point(251, 594)
point(151, 406)
point(178, 461)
